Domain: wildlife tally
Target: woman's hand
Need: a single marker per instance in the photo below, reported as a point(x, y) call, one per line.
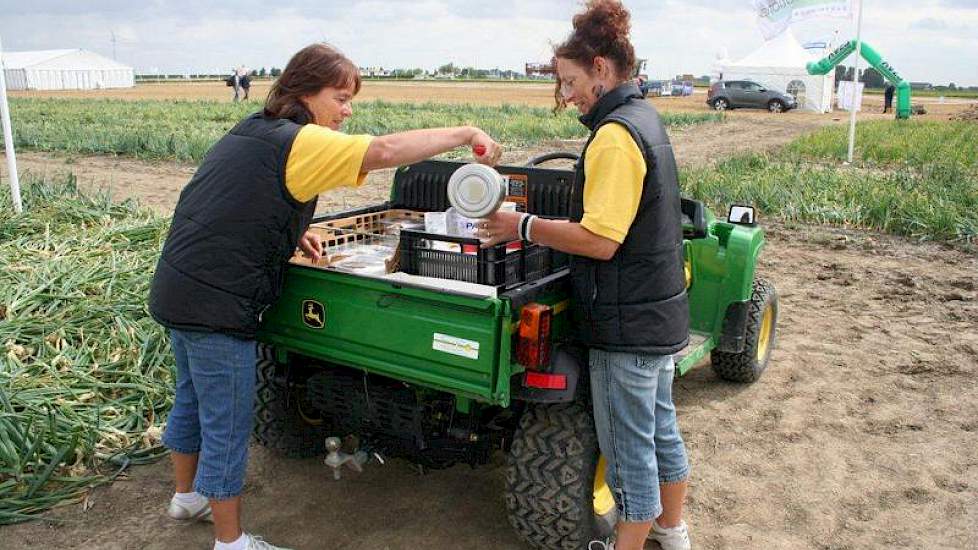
point(501, 227)
point(485, 149)
point(310, 244)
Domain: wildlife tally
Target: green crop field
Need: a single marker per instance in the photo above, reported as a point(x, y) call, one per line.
point(185, 130)
point(914, 178)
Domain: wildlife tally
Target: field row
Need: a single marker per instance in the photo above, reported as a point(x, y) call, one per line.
point(913, 178)
point(185, 130)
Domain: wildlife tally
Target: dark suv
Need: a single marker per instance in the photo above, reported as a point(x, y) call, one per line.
point(729, 94)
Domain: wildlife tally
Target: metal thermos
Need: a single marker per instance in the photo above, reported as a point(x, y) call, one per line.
point(477, 190)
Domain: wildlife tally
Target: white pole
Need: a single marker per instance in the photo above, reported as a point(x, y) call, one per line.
point(855, 82)
point(8, 139)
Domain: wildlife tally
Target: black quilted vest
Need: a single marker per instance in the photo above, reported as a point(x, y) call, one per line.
point(636, 301)
point(234, 229)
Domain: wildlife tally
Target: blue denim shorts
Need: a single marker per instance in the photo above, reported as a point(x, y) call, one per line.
point(213, 408)
point(637, 431)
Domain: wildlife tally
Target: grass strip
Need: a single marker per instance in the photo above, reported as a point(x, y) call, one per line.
point(912, 178)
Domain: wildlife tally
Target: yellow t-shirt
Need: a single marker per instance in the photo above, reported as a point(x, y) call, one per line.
point(322, 159)
point(614, 173)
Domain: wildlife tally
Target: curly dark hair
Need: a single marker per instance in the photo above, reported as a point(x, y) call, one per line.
point(311, 69)
point(602, 29)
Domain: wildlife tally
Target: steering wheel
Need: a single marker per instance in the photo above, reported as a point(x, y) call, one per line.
point(553, 156)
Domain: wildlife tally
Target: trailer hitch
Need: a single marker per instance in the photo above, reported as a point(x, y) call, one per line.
point(337, 458)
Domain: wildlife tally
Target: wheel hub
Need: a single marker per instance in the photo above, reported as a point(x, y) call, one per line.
point(604, 502)
point(764, 338)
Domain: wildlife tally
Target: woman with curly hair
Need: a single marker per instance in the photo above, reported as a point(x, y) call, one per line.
point(629, 299)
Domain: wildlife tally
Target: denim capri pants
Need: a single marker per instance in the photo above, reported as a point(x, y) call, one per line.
point(213, 408)
point(636, 423)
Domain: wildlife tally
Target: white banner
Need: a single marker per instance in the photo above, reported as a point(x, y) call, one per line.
point(774, 16)
point(850, 97)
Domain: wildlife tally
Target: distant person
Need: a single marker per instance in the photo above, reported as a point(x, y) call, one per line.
point(245, 81)
point(234, 229)
point(888, 97)
point(235, 81)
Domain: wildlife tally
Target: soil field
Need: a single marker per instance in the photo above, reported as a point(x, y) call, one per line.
point(862, 434)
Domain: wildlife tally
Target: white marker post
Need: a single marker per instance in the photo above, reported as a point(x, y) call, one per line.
point(855, 83)
point(8, 138)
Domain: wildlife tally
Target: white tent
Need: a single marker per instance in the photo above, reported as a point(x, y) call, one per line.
point(779, 64)
point(64, 70)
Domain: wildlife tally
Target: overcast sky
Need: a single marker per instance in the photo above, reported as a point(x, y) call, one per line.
point(925, 40)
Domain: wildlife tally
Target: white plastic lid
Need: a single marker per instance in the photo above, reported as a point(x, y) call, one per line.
point(476, 190)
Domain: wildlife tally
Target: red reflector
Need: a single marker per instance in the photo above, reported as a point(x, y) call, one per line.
point(545, 381)
point(533, 343)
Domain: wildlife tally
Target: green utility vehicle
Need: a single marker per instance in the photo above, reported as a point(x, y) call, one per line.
point(462, 352)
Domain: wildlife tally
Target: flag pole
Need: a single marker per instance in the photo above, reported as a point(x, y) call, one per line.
point(855, 83)
point(8, 138)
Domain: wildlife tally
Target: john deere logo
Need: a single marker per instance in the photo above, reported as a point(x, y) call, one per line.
point(313, 314)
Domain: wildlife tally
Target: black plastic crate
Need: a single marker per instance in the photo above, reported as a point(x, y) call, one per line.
point(423, 254)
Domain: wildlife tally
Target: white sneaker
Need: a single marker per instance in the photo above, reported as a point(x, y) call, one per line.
point(256, 543)
point(200, 511)
point(600, 545)
point(673, 538)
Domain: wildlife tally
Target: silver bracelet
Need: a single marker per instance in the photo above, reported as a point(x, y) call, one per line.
point(521, 226)
point(529, 228)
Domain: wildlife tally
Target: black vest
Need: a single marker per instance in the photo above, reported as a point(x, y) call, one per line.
point(636, 301)
point(234, 229)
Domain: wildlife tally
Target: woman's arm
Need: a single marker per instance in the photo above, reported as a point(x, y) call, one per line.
point(572, 238)
point(416, 145)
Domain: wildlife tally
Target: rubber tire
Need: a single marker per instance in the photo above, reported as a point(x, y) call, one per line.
point(744, 367)
point(772, 103)
point(721, 104)
point(278, 424)
point(550, 478)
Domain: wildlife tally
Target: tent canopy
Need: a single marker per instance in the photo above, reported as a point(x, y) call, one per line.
point(64, 70)
point(782, 52)
point(780, 64)
point(22, 60)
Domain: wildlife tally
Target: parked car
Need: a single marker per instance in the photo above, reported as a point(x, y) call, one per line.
point(731, 94)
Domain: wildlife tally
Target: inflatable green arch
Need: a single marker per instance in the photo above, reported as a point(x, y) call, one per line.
point(828, 63)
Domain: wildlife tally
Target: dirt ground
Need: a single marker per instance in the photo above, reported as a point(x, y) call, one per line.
point(862, 434)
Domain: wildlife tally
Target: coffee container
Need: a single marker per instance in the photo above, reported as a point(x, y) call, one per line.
point(477, 190)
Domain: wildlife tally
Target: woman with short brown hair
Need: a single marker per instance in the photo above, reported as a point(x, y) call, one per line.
point(237, 223)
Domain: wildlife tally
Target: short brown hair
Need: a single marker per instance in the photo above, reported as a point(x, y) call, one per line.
point(311, 69)
point(602, 29)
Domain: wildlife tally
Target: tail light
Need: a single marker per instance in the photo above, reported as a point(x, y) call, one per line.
point(533, 345)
